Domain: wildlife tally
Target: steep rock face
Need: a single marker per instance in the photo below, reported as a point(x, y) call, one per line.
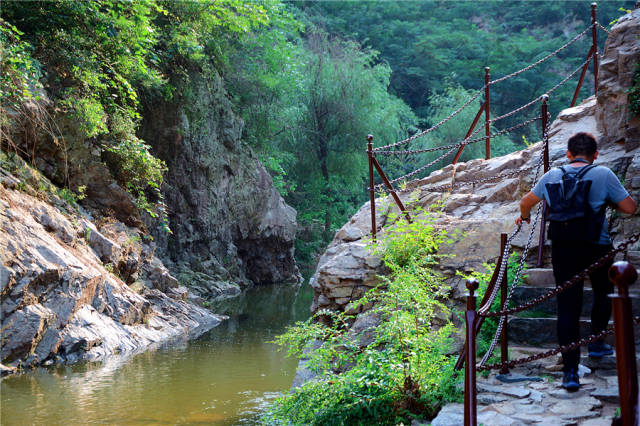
point(229, 223)
point(486, 209)
point(615, 76)
point(64, 285)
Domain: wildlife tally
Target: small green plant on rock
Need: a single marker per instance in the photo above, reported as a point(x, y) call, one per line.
point(405, 371)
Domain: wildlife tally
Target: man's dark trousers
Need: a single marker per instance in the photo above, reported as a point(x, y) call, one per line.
point(570, 258)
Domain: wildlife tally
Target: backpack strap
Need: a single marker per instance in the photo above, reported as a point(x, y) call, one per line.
point(584, 171)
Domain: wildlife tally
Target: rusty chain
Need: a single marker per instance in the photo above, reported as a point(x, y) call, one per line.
point(435, 148)
point(567, 284)
point(432, 128)
point(550, 55)
point(381, 187)
point(548, 92)
point(541, 355)
point(465, 141)
point(480, 92)
point(525, 251)
point(603, 28)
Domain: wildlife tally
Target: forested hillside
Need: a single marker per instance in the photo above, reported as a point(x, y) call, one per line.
point(310, 80)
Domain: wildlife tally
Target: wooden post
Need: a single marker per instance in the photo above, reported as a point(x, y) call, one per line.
point(487, 113)
point(372, 195)
point(504, 344)
point(594, 33)
point(470, 397)
point(545, 159)
point(622, 274)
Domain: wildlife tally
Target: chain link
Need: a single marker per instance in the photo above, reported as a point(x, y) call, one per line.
point(550, 55)
point(381, 187)
point(481, 90)
point(431, 129)
point(541, 355)
point(525, 252)
point(603, 28)
point(436, 148)
point(548, 92)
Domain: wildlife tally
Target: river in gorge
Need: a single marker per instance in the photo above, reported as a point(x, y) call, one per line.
point(226, 376)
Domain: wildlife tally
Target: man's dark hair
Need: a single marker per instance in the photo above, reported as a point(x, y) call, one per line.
point(582, 144)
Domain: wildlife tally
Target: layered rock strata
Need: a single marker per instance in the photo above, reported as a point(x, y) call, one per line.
point(71, 289)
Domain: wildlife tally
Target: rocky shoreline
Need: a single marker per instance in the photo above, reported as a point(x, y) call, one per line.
point(75, 290)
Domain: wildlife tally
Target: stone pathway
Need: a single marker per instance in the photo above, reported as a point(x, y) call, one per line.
point(540, 399)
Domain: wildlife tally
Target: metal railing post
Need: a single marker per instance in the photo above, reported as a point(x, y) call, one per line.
point(470, 397)
point(504, 343)
point(487, 113)
point(594, 33)
point(372, 195)
point(623, 274)
point(543, 221)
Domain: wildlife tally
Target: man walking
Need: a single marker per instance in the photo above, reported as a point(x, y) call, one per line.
point(577, 196)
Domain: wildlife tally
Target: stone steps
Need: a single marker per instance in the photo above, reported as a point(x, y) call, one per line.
point(542, 331)
point(543, 277)
point(523, 294)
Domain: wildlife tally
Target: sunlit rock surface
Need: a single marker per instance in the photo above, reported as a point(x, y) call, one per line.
point(71, 292)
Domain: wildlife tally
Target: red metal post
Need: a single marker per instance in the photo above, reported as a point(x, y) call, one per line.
point(504, 345)
point(543, 221)
point(470, 397)
point(391, 190)
point(471, 128)
point(594, 33)
point(623, 274)
point(487, 113)
point(582, 74)
point(372, 195)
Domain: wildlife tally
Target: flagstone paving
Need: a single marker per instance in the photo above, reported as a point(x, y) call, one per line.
point(540, 399)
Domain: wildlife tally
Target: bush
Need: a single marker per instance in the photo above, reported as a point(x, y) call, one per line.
point(137, 170)
point(406, 371)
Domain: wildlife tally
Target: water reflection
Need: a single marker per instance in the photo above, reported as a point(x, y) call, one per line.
point(226, 376)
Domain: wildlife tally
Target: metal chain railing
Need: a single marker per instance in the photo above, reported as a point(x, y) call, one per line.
point(546, 354)
point(523, 257)
point(435, 148)
point(546, 58)
point(432, 128)
point(381, 187)
point(603, 28)
point(481, 91)
point(548, 92)
point(567, 284)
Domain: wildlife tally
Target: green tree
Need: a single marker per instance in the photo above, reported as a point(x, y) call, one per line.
point(345, 98)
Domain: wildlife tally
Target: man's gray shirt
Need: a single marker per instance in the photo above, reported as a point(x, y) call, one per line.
point(605, 187)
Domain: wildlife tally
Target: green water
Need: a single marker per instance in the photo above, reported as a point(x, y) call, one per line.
point(226, 376)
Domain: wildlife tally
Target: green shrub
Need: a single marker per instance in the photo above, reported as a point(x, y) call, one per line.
point(137, 170)
point(406, 371)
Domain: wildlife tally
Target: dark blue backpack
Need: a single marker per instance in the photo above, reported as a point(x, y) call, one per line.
point(570, 215)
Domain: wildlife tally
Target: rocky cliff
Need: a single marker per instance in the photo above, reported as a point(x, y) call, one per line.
point(486, 209)
point(85, 277)
point(70, 291)
point(231, 228)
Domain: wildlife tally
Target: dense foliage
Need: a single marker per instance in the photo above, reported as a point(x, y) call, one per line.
point(391, 373)
point(310, 79)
